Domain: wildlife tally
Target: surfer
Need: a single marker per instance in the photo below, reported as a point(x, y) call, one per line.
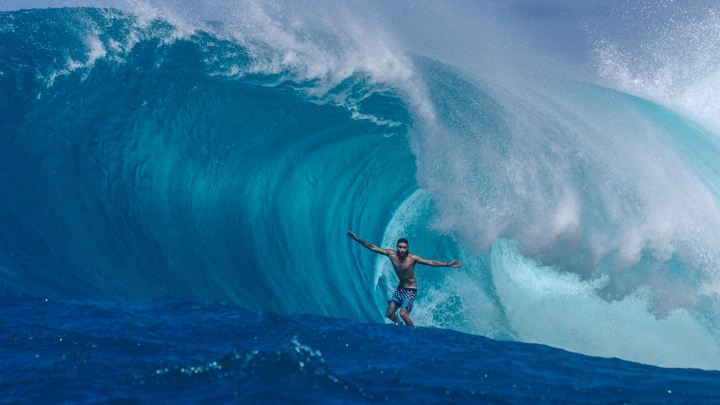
point(404, 264)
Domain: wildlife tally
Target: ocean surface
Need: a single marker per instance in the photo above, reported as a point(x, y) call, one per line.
point(175, 192)
point(190, 351)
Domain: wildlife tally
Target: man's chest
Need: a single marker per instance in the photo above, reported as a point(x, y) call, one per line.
point(404, 267)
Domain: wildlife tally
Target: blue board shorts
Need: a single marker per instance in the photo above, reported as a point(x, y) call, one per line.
point(404, 297)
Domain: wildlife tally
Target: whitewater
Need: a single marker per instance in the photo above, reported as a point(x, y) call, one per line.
point(182, 176)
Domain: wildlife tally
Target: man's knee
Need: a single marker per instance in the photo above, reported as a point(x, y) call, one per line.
point(404, 313)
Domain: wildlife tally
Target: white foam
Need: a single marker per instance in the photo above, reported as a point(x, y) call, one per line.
point(578, 176)
point(679, 65)
point(95, 50)
point(562, 310)
point(325, 52)
point(540, 304)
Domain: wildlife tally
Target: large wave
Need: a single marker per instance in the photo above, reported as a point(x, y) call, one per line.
point(145, 157)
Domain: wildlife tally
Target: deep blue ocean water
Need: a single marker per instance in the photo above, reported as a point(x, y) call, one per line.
point(189, 351)
point(174, 199)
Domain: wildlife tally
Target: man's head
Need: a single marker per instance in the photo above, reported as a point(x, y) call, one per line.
point(402, 247)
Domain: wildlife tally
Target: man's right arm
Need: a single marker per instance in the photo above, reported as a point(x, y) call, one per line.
point(368, 244)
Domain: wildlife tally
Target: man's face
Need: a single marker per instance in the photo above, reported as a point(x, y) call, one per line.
point(402, 249)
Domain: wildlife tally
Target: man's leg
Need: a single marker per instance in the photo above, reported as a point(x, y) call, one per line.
point(392, 308)
point(406, 317)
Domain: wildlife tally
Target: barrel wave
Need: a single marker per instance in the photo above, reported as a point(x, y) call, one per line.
point(175, 179)
point(142, 158)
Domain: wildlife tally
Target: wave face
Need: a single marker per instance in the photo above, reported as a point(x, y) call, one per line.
point(143, 158)
point(138, 166)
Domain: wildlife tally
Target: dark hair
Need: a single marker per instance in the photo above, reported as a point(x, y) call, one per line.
point(402, 240)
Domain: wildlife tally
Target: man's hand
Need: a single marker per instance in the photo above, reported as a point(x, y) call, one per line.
point(352, 235)
point(455, 264)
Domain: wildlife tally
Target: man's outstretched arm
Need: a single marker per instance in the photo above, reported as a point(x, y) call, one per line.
point(436, 263)
point(368, 244)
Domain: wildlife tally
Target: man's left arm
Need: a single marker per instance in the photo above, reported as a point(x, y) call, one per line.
point(436, 263)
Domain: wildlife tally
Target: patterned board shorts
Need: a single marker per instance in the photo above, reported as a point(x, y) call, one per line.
point(404, 297)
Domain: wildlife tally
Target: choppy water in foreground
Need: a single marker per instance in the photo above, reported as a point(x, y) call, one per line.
point(189, 351)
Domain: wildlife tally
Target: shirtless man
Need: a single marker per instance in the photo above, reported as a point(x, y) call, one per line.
point(404, 264)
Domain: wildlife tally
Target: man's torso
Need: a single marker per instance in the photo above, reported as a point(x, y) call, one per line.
point(404, 269)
